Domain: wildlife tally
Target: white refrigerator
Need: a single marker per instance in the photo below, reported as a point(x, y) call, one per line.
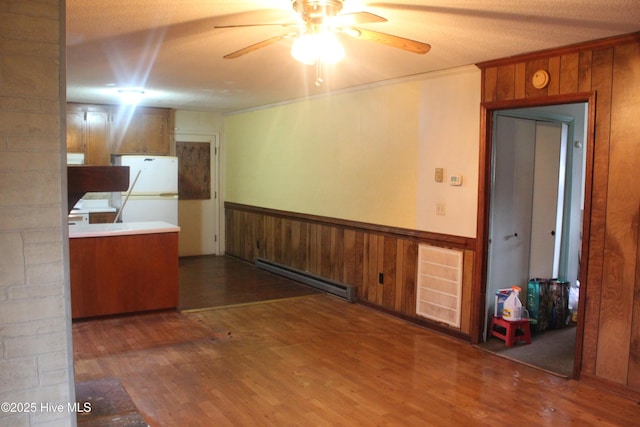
point(153, 189)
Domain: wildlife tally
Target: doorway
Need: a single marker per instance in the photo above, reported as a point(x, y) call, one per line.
point(199, 205)
point(535, 206)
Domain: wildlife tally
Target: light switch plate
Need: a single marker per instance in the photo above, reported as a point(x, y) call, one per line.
point(455, 180)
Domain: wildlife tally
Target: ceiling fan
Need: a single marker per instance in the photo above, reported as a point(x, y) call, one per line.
point(314, 33)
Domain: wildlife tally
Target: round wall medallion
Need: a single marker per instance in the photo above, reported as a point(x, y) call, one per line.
point(540, 79)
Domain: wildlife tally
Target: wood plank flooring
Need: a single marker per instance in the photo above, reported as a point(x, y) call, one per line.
point(320, 361)
point(218, 281)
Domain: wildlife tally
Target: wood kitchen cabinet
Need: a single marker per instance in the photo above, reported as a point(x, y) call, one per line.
point(100, 130)
point(141, 131)
point(120, 274)
point(88, 132)
point(101, 217)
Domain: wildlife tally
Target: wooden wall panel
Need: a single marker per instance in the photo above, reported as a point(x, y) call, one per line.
point(519, 82)
point(327, 249)
point(406, 274)
point(569, 73)
point(286, 254)
point(554, 76)
point(489, 84)
point(388, 268)
point(371, 269)
point(606, 72)
point(350, 257)
point(584, 71)
point(315, 246)
point(350, 253)
point(380, 263)
point(634, 351)
point(337, 267)
point(616, 312)
point(601, 79)
point(505, 87)
point(358, 259)
point(467, 286)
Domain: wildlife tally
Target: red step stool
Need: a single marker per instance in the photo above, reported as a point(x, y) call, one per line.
point(510, 337)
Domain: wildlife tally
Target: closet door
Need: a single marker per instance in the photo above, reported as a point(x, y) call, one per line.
point(548, 193)
point(510, 228)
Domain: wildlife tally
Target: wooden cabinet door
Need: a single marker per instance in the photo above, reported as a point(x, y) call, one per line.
point(126, 131)
point(143, 130)
point(154, 123)
point(101, 217)
point(88, 130)
point(99, 130)
point(75, 131)
point(97, 134)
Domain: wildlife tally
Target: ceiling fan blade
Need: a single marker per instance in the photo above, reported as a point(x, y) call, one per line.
point(274, 24)
point(346, 19)
point(389, 40)
point(258, 45)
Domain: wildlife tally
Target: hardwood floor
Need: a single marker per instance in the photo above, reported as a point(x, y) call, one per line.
point(219, 281)
point(320, 361)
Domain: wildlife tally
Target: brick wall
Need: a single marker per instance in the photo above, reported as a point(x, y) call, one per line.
point(35, 340)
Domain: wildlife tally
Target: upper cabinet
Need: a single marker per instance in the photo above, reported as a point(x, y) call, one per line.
point(88, 132)
point(142, 130)
point(100, 130)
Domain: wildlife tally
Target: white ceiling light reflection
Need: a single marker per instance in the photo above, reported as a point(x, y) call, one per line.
point(130, 96)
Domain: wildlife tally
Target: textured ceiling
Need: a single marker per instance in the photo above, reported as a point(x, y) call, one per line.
point(174, 51)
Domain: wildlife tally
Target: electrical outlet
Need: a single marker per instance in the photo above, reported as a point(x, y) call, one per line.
point(439, 177)
point(441, 209)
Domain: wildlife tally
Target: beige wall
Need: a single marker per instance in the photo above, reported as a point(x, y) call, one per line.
point(326, 155)
point(365, 155)
point(449, 129)
point(449, 132)
point(35, 343)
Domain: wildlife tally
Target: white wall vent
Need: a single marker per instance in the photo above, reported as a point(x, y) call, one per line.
point(439, 295)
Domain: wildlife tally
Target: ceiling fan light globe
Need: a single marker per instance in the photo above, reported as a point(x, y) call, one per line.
point(330, 50)
point(303, 50)
point(313, 46)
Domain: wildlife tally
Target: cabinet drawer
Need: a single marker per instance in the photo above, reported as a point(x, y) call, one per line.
point(101, 217)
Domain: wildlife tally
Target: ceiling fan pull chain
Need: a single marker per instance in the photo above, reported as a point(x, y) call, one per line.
point(319, 80)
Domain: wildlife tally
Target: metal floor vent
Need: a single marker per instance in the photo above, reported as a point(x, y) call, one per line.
point(439, 295)
point(347, 292)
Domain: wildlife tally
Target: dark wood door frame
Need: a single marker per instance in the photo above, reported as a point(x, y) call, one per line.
point(484, 201)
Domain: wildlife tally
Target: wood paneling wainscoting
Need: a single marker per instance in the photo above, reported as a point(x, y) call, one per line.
point(606, 74)
point(349, 252)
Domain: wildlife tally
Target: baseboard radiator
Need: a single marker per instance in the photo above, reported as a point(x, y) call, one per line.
point(348, 292)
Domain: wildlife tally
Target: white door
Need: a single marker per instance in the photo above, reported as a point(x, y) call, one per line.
point(200, 219)
point(510, 227)
point(525, 219)
point(548, 193)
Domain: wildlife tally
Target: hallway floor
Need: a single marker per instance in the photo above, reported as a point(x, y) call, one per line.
point(551, 350)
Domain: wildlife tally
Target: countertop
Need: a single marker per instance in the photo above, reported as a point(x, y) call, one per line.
point(121, 229)
point(91, 210)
